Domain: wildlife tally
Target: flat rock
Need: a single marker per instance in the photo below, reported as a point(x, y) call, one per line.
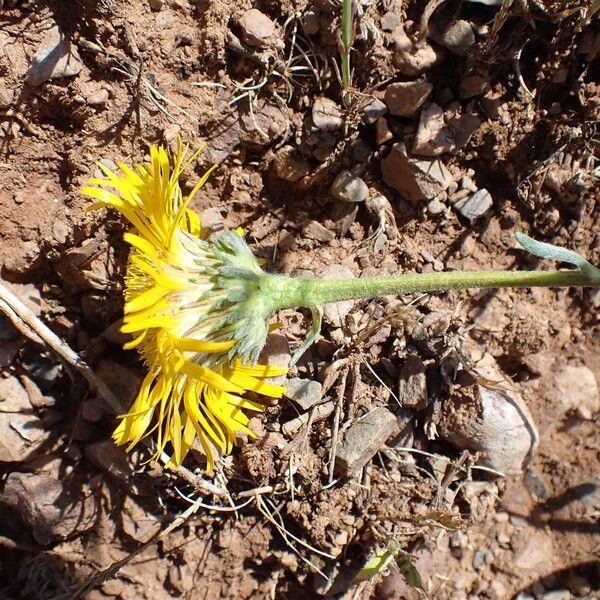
point(534, 551)
point(364, 439)
point(313, 230)
point(405, 98)
point(473, 85)
point(577, 390)
point(372, 111)
point(412, 386)
point(414, 179)
point(47, 507)
point(266, 123)
point(304, 392)
point(259, 31)
point(459, 37)
point(326, 114)
point(383, 133)
point(349, 188)
point(463, 127)
point(433, 136)
point(474, 206)
point(22, 433)
point(409, 58)
point(55, 58)
point(334, 313)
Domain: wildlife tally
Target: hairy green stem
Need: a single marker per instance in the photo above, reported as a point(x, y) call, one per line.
point(287, 292)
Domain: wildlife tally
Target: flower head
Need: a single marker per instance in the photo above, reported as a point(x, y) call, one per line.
point(195, 309)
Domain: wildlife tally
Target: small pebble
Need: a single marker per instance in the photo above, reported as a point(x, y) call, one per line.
point(349, 188)
point(459, 37)
point(435, 207)
point(475, 206)
point(313, 230)
point(304, 392)
point(258, 30)
point(373, 111)
point(326, 114)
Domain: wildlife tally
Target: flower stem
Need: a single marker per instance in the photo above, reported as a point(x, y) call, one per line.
point(287, 292)
point(346, 39)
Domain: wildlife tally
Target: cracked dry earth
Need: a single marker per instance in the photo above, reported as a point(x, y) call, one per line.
point(462, 425)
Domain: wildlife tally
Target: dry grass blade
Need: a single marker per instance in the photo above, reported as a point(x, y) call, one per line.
point(285, 534)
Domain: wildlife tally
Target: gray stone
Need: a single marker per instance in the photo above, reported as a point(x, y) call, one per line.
point(478, 559)
point(577, 390)
point(156, 5)
point(412, 391)
point(414, 179)
point(334, 313)
point(390, 20)
point(364, 439)
point(435, 208)
point(268, 118)
point(433, 136)
point(475, 205)
point(409, 58)
point(304, 392)
point(459, 37)
point(53, 512)
point(463, 128)
point(21, 432)
point(375, 109)
point(489, 421)
point(55, 58)
point(258, 30)
point(313, 230)
point(349, 188)
point(404, 99)
point(326, 114)
point(343, 214)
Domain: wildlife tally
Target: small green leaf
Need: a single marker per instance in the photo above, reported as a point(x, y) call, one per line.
point(378, 563)
point(409, 572)
point(549, 251)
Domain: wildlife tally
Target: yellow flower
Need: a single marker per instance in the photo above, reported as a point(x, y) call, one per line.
point(194, 307)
